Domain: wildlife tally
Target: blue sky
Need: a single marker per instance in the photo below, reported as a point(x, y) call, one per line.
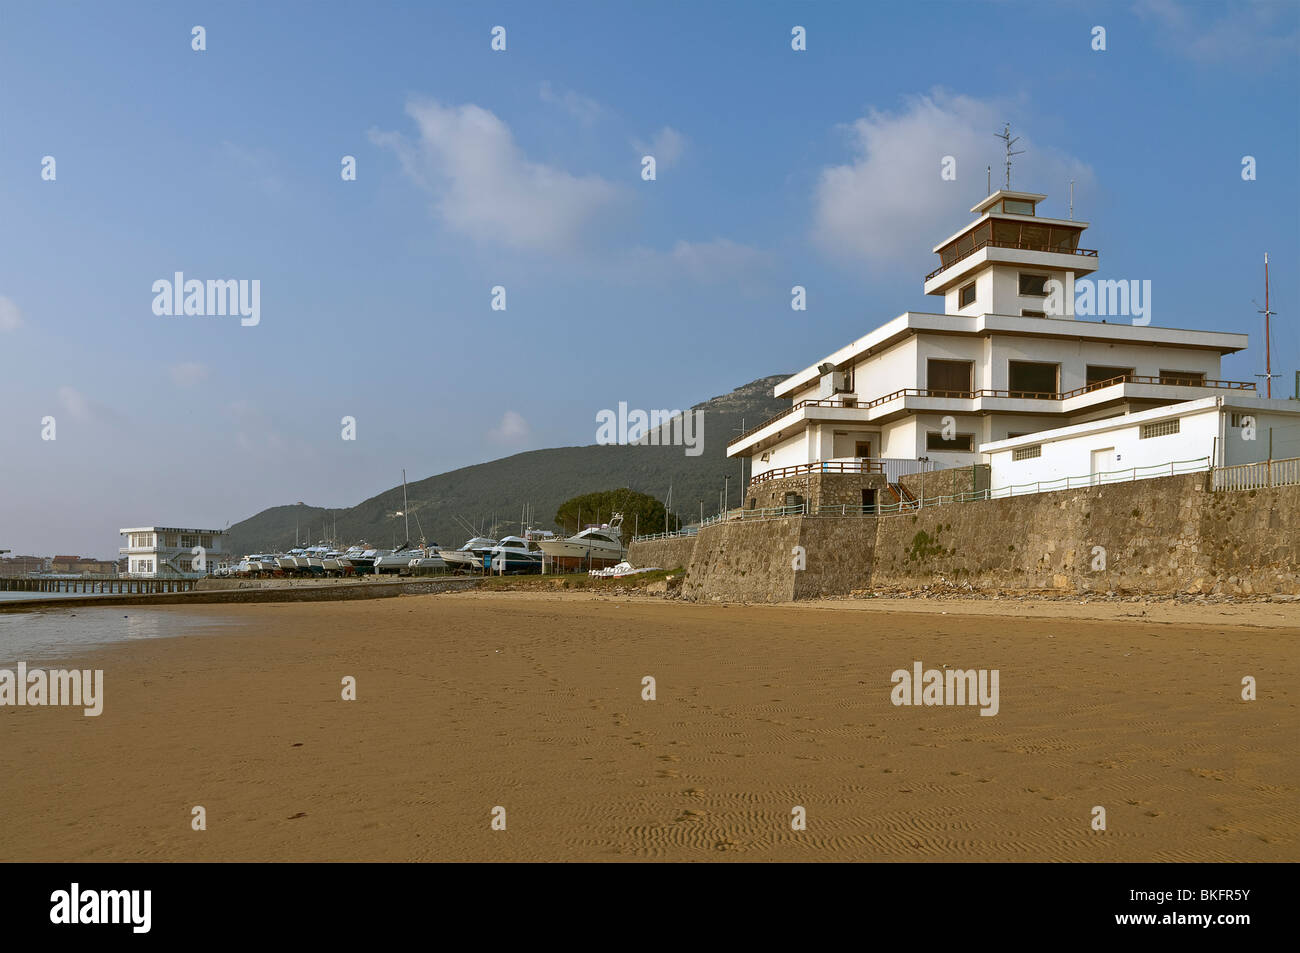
point(522, 168)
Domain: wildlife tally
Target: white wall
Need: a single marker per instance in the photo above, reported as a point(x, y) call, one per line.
point(886, 371)
point(1072, 456)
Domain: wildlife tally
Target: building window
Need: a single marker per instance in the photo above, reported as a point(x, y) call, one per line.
point(966, 295)
point(1027, 453)
point(1183, 378)
point(951, 377)
point(1033, 285)
point(1017, 207)
point(1026, 313)
point(1100, 373)
point(1241, 420)
point(1162, 429)
point(961, 443)
point(1033, 379)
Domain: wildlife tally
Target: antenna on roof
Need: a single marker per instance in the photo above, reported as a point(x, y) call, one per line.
point(1072, 200)
point(988, 170)
point(1268, 374)
point(1005, 136)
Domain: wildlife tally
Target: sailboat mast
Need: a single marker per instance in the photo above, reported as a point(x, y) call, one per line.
point(405, 509)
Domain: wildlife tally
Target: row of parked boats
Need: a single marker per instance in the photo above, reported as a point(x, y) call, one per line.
point(510, 554)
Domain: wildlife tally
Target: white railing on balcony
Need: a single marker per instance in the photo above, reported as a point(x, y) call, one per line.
point(1257, 476)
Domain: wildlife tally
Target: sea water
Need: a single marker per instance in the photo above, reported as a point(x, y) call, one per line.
point(60, 633)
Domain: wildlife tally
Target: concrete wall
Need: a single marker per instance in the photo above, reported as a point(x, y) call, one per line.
point(1159, 536)
point(672, 553)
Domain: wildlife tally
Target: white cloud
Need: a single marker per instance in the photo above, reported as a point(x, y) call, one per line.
point(582, 108)
point(889, 205)
point(1246, 32)
point(10, 317)
point(485, 187)
point(667, 146)
point(188, 374)
point(513, 429)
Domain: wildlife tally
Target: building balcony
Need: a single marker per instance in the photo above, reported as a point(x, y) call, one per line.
point(910, 400)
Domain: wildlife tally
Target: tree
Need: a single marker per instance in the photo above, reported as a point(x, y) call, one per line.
point(640, 512)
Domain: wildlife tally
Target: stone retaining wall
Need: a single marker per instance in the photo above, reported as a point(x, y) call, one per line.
point(1158, 536)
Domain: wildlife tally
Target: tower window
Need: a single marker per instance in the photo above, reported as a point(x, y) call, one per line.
point(966, 295)
point(1033, 285)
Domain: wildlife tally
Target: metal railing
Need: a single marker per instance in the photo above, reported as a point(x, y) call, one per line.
point(1257, 476)
point(1105, 477)
point(1020, 244)
point(674, 535)
point(1013, 393)
point(1244, 476)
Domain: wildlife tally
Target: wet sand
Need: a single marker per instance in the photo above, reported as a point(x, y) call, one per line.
point(532, 702)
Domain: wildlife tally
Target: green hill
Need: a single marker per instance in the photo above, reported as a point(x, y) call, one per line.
point(542, 479)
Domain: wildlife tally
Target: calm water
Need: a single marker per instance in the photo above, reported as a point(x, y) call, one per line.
point(21, 596)
point(59, 633)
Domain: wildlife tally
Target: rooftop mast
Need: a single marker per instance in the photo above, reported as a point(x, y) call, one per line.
point(1005, 136)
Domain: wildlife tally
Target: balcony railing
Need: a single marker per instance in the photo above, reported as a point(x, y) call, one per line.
point(1026, 246)
point(825, 466)
point(1017, 394)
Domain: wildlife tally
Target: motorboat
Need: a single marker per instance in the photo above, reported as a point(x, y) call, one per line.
point(514, 554)
point(469, 556)
point(429, 560)
point(603, 542)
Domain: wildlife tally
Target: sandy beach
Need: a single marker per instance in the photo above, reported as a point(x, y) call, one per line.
point(533, 702)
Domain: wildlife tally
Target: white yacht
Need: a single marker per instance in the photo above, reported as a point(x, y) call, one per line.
point(427, 560)
point(469, 556)
point(513, 554)
point(604, 542)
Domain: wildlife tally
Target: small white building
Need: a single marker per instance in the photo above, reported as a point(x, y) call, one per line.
point(169, 552)
point(1000, 369)
point(1221, 431)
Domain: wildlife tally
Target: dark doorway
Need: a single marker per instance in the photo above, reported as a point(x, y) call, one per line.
point(869, 502)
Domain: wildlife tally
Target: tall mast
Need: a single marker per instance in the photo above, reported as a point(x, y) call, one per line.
point(406, 510)
point(1005, 136)
point(1268, 336)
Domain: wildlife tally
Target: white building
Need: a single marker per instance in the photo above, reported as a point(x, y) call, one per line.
point(964, 386)
point(168, 552)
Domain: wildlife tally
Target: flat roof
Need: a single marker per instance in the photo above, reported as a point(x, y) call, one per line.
point(1001, 194)
point(910, 323)
point(1232, 400)
point(170, 529)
